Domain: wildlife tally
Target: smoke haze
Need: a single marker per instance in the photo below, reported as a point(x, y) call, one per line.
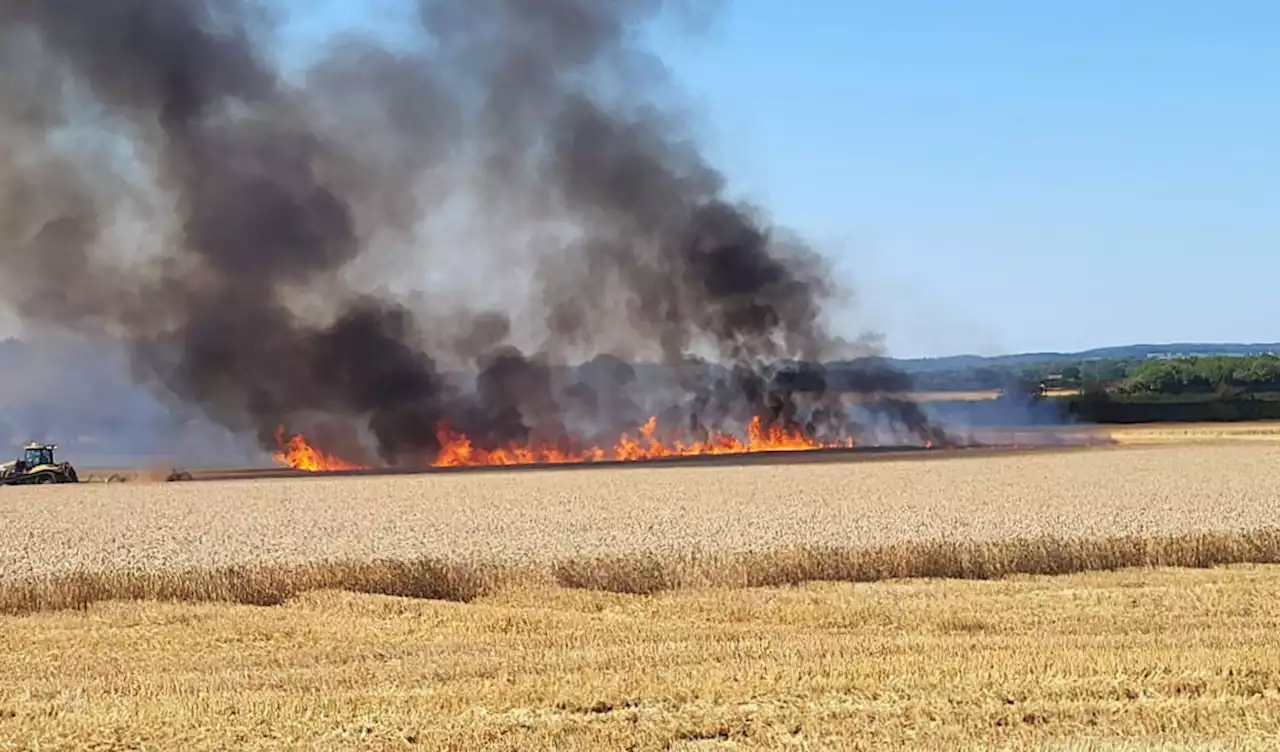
point(164, 184)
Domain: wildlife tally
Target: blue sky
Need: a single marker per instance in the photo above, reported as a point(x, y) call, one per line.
point(1011, 176)
point(1016, 176)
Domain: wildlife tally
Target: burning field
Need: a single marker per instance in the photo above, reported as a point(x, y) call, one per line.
point(487, 233)
point(493, 239)
point(457, 449)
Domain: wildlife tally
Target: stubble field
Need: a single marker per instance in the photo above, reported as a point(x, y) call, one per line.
point(811, 606)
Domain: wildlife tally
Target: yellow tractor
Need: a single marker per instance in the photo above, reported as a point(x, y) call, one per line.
point(37, 466)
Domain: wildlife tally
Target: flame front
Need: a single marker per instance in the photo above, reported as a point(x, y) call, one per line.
point(458, 450)
point(296, 453)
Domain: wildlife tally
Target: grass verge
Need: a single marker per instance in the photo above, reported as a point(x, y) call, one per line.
point(648, 573)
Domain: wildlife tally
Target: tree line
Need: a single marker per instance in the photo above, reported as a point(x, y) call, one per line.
point(1257, 373)
point(1119, 376)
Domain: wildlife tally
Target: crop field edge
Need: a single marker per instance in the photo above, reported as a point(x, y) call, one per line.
point(745, 459)
point(1040, 440)
point(643, 573)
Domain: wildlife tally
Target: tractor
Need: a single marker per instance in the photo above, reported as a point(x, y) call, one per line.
point(36, 465)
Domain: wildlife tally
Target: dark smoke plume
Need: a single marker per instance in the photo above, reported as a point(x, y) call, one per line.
point(164, 182)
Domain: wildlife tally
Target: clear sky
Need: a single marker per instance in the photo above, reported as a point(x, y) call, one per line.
point(1010, 176)
point(1002, 176)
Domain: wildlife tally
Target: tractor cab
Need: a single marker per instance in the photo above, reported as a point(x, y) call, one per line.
point(36, 465)
point(35, 454)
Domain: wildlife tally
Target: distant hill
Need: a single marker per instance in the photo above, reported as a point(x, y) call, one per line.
point(1175, 349)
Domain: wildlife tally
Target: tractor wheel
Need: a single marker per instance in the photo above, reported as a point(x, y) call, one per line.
point(44, 478)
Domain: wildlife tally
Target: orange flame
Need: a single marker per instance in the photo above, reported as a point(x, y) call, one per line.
point(457, 449)
point(296, 453)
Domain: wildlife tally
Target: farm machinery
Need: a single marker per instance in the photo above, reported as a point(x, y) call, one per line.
point(37, 466)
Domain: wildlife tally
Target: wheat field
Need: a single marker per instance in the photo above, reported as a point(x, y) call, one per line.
point(530, 517)
point(1093, 599)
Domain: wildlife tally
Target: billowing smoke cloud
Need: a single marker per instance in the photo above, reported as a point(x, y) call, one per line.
point(163, 182)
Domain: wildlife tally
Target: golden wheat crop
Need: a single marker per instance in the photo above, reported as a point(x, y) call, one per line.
point(540, 516)
point(1160, 433)
point(654, 609)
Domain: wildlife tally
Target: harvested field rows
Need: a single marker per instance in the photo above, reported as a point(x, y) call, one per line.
point(1137, 660)
point(554, 515)
point(1194, 432)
